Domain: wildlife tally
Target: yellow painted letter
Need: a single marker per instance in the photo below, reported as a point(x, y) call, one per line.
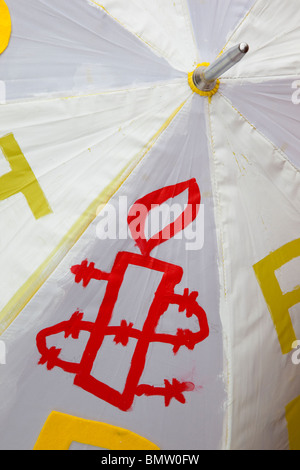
point(60, 430)
point(5, 26)
point(293, 421)
point(21, 179)
point(279, 303)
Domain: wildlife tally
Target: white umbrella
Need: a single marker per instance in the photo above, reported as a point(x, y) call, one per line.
point(149, 207)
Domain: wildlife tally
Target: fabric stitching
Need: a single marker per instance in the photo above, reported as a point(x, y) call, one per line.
point(227, 338)
point(277, 149)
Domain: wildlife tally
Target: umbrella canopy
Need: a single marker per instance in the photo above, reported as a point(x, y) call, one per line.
point(150, 231)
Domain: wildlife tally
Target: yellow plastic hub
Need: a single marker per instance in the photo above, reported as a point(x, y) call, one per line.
point(207, 94)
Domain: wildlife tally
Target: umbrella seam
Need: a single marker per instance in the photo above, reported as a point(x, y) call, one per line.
point(100, 93)
point(277, 149)
point(226, 336)
point(273, 77)
point(188, 22)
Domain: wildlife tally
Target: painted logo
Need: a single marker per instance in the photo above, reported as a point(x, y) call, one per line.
point(103, 327)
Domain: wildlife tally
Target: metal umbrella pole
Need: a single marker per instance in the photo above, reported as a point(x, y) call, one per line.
point(205, 78)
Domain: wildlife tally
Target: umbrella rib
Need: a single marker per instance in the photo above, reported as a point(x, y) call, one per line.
point(188, 22)
point(259, 77)
point(218, 199)
point(277, 149)
point(59, 97)
point(227, 338)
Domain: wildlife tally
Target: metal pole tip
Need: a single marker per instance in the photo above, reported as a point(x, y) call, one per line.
point(244, 47)
point(205, 78)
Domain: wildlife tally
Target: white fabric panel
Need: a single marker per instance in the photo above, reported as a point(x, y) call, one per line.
point(75, 147)
point(164, 26)
point(29, 392)
point(272, 29)
point(272, 107)
point(63, 47)
point(214, 21)
point(257, 193)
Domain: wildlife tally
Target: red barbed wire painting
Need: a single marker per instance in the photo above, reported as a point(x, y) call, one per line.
point(165, 296)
